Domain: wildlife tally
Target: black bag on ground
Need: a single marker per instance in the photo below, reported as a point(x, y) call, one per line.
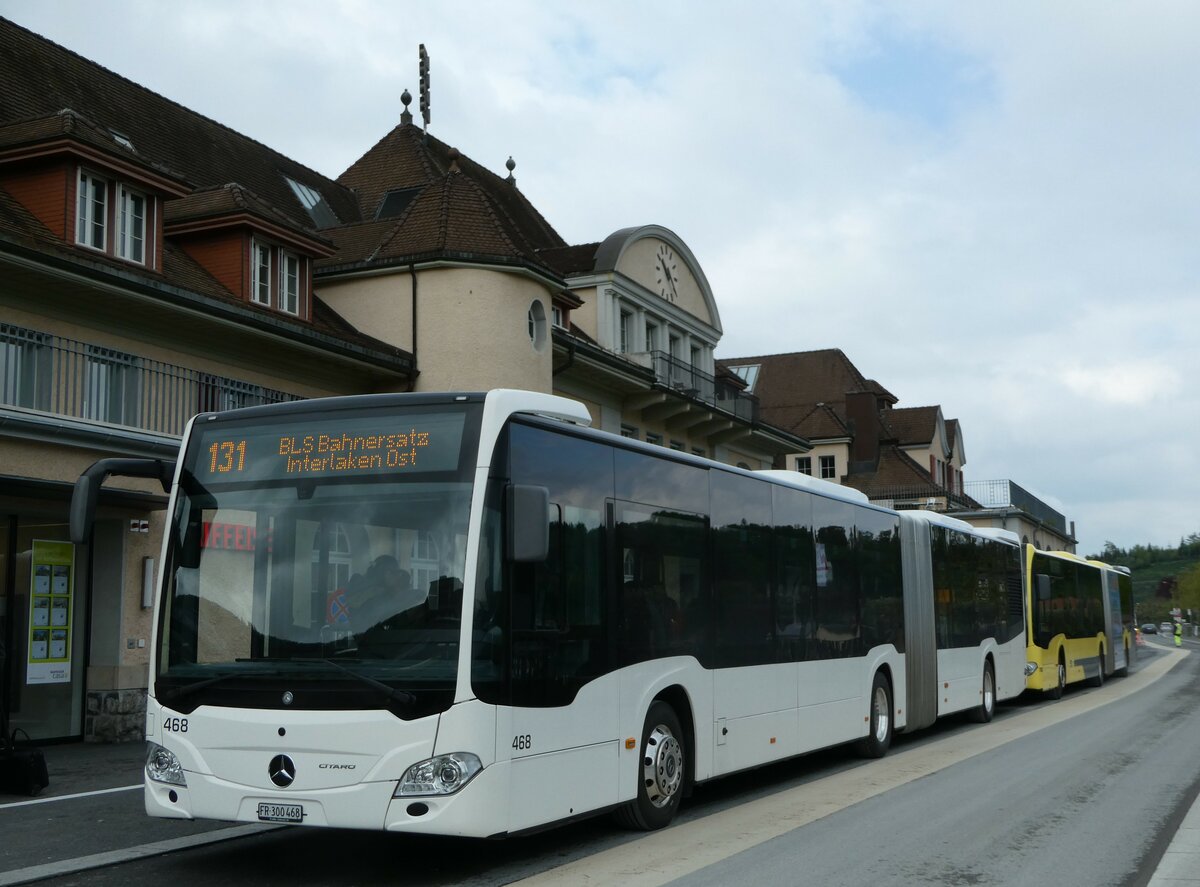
point(22, 770)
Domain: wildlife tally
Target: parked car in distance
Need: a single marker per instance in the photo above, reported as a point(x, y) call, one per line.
point(1149, 628)
point(1166, 628)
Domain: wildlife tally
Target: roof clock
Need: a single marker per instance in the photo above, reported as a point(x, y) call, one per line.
point(668, 279)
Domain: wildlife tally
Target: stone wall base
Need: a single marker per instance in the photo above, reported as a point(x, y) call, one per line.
point(115, 716)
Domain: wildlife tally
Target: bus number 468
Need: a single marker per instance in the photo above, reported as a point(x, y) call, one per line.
point(522, 742)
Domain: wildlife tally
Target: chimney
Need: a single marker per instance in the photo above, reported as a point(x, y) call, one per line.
point(863, 418)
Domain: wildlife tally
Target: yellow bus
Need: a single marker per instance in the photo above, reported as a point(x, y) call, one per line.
point(1077, 626)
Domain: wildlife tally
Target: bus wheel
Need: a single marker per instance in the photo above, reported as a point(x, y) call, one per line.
point(660, 774)
point(983, 713)
point(876, 743)
point(1060, 683)
point(1097, 680)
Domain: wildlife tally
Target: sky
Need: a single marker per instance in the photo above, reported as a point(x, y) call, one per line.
point(991, 207)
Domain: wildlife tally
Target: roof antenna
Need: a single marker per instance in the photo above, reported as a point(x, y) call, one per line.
point(511, 164)
point(406, 115)
point(423, 58)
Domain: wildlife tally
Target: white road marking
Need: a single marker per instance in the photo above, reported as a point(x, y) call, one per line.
point(129, 854)
point(102, 791)
point(661, 857)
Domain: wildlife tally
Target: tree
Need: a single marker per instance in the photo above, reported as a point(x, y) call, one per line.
point(1188, 588)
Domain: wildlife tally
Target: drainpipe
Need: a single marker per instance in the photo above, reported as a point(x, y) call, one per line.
point(412, 379)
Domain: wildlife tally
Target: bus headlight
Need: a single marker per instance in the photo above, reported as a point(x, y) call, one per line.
point(442, 775)
point(1030, 668)
point(163, 766)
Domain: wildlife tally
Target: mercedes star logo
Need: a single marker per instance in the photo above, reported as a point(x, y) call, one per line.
point(281, 770)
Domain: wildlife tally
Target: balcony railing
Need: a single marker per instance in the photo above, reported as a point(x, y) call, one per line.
point(928, 497)
point(1005, 493)
point(64, 377)
point(678, 374)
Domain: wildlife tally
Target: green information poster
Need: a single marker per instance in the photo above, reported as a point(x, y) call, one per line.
point(51, 586)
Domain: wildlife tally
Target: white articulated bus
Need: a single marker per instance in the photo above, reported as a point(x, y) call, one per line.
point(468, 614)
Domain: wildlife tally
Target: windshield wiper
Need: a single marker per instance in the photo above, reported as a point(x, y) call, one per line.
point(388, 691)
point(186, 690)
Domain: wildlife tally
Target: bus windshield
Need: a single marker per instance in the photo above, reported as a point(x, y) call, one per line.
point(317, 562)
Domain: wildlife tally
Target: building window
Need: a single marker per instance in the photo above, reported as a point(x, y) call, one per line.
point(25, 368)
point(652, 437)
point(556, 316)
point(804, 465)
point(91, 220)
point(629, 431)
point(314, 204)
point(827, 467)
point(623, 332)
point(698, 451)
point(112, 385)
point(277, 277)
point(289, 282)
point(677, 445)
point(651, 337)
point(536, 319)
point(260, 286)
point(131, 225)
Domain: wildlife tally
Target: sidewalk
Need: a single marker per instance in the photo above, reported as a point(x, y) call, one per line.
point(1181, 863)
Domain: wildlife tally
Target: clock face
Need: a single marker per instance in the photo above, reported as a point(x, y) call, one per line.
point(668, 278)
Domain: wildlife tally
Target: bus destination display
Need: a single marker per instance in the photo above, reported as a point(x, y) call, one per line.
point(331, 447)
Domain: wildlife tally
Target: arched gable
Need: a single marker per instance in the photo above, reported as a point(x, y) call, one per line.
point(657, 259)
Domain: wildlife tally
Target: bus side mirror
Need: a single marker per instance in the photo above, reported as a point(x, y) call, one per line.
point(87, 488)
point(528, 521)
point(1042, 585)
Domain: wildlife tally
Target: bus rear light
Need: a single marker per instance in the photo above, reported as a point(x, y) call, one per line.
point(442, 775)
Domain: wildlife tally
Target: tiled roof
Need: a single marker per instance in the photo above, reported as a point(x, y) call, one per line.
point(460, 208)
point(913, 425)
point(896, 469)
point(68, 123)
point(232, 198)
point(802, 378)
point(41, 78)
point(571, 260)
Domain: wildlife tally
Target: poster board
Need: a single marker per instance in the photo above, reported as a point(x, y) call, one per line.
point(51, 611)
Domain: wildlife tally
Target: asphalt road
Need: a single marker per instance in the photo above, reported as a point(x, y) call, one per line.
point(1084, 791)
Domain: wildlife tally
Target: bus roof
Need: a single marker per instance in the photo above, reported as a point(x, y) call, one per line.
point(814, 485)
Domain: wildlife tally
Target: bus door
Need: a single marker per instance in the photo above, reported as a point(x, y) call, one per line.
point(559, 728)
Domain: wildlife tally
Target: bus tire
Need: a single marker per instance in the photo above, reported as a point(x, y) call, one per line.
point(661, 772)
point(1060, 681)
point(1097, 680)
point(986, 709)
point(879, 715)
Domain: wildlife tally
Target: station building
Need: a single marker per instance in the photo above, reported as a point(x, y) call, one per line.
point(155, 264)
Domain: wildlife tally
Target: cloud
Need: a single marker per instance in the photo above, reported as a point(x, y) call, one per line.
point(987, 207)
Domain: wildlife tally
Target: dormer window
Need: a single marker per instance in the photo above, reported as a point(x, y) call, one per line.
point(104, 205)
point(91, 226)
point(277, 277)
point(131, 225)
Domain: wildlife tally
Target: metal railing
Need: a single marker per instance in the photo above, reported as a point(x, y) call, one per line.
point(1005, 493)
point(680, 375)
point(64, 377)
point(928, 496)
